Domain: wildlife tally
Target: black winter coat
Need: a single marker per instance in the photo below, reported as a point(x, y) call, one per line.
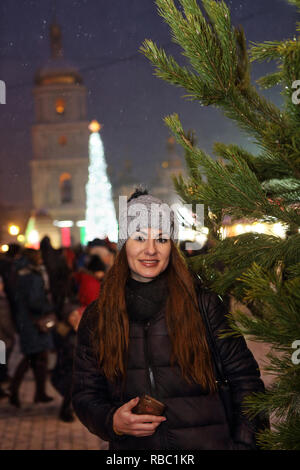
point(61, 377)
point(31, 301)
point(195, 420)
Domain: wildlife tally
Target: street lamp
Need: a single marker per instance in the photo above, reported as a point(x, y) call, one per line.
point(13, 230)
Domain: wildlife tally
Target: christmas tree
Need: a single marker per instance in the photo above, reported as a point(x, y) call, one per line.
point(101, 219)
point(261, 270)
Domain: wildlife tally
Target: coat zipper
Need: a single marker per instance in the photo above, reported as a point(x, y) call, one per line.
point(148, 366)
point(152, 382)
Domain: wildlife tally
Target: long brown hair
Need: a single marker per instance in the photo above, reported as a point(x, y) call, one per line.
point(185, 325)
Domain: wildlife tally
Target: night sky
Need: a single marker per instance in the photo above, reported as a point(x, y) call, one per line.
point(102, 38)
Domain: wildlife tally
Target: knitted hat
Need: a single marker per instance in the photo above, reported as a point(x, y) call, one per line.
point(143, 211)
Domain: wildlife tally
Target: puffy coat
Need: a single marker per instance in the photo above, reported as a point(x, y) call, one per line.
point(195, 420)
point(61, 377)
point(31, 301)
point(7, 329)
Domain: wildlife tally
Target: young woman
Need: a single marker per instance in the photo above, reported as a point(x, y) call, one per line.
point(146, 334)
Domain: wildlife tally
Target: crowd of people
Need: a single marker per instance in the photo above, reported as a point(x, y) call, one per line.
point(43, 294)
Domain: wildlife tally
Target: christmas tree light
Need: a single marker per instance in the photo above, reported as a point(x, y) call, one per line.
point(100, 211)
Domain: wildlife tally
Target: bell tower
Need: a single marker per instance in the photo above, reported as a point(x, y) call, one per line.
point(60, 137)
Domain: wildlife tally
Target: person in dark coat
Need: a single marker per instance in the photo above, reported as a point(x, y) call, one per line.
point(30, 303)
point(7, 334)
point(58, 272)
point(147, 334)
point(65, 340)
point(8, 273)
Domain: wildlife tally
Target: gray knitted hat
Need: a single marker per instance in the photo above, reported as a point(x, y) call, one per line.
point(146, 211)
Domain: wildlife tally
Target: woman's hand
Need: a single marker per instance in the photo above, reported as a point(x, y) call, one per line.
point(126, 422)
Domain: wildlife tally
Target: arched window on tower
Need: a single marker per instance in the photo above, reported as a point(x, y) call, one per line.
point(65, 184)
point(60, 106)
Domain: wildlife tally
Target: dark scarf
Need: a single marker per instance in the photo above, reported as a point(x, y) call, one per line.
point(145, 299)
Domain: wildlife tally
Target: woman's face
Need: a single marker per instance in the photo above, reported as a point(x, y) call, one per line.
point(148, 253)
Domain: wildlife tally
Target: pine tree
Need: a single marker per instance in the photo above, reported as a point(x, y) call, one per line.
point(262, 271)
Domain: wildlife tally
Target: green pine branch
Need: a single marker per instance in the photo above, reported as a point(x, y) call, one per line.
point(261, 271)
